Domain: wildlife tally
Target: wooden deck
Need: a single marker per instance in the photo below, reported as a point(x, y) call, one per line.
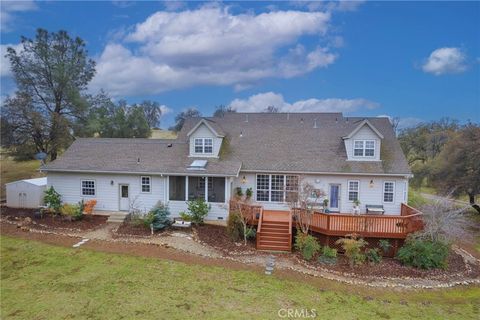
point(330, 224)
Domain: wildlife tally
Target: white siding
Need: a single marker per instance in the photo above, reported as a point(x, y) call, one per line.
point(365, 133)
point(367, 195)
point(106, 194)
point(204, 132)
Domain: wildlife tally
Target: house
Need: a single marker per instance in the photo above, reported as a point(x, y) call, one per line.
point(349, 158)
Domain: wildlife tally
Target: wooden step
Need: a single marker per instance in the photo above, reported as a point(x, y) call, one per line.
point(273, 243)
point(274, 236)
point(274, 248)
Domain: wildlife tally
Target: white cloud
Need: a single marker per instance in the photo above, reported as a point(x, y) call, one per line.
point(259, 102)
point(8, 10)
point(4, 61)
point(445, 60)
point(211, 46)
point(165, 110)
point(174, 5)
point(339, 5)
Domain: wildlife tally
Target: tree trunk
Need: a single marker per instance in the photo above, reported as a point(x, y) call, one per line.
point(471, 198)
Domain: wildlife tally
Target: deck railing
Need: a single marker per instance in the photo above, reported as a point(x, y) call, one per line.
point(375, 226)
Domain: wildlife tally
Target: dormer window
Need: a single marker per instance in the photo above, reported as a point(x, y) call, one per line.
point(204, 145)
point(364, 148)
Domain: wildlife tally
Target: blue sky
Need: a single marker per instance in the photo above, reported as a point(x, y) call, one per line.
point(415, 60)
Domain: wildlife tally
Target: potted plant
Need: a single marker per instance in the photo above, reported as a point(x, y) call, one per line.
point(238, 193)
point(325, 205)
point(356, 206)
point(248, 193)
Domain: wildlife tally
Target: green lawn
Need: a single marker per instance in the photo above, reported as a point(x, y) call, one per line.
point(16, 170)
point(40, 281)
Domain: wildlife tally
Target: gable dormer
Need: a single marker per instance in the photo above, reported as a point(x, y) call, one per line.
point(363, 143)
point(205, 139)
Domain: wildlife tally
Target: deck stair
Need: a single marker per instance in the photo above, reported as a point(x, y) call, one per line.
point(274, 232)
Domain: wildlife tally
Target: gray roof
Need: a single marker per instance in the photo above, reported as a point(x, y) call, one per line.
point(278, 142)
point(138, 156)
point(288, 142)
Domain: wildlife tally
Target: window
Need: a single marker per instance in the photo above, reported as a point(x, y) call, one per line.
point(263, 187)
point(353, 189)
point(176, 188)
point(145, 184)
point(203, 145)
point(88, 187)
point(276, 188)
point(364, 148)
point(196, 188)
point(388, 191)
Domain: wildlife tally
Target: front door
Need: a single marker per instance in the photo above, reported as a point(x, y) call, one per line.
point(124, 199)
point(334, 197)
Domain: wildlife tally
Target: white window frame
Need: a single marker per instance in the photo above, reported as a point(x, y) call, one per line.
point(393, 191)
point(149, 184)
point(269, 190)
point(350, 190)
point(94, 187)
point(202, 144)
point(364, 148)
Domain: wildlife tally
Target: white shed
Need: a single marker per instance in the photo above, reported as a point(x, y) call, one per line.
point(26, 193)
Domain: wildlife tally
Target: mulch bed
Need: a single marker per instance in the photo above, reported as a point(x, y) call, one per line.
point(393, 268)
point(127, 228)
point(218, 238)
point(50, 222)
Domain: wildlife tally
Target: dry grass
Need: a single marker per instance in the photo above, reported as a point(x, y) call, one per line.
point(163, 134)
point(16, 170)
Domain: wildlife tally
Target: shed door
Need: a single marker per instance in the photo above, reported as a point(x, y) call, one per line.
point(22, 199)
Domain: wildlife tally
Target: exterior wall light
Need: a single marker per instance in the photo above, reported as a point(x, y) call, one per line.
point(244, 180)
point(371, 184)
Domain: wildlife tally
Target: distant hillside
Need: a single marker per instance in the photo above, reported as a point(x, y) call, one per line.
point(163, 134)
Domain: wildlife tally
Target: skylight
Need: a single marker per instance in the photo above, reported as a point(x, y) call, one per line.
point(198, 165)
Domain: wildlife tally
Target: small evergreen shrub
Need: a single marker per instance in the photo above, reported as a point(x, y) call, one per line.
point(251, 233)
point(307, 245)
point(329, 255)
point(373, 256)
point(353, 249)
point(53, 200)
point(159, 217)
point(198, 209)
point(424, 254)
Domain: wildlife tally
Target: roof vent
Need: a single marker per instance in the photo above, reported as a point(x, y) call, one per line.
point(198, 165)
point(315, 123)
point(288, 115)
point(246, 118)
point(241, 134)
point(301, 120)
point(138, 160)
point(336, 120)
point(169, 145)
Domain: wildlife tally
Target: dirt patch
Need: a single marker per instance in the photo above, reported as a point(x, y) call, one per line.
point(49, 222)
point(130, 229)
point(218, 238)
point(392, 268)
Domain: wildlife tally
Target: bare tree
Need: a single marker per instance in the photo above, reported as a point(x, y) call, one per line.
point(303, 202)
point(243, 217)
point(445, 221)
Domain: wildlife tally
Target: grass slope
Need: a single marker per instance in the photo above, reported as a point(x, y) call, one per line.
point(40, 281)
point(16, 170)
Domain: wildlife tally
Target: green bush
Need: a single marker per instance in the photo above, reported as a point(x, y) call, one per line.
point(239, 192)
point(424, 254)
point(198, 210)
point(185, 216)
point(235, 226)
point(148, 219)
point(251, 233)
point(385, 245)
point(307, 245)
point(74, 211)
point(159, 217)
point(248, 193)
point(52, 199)
point(329, 255)
point(352, 245)
point(373, 255)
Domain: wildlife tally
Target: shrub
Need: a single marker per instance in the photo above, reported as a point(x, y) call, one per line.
point(148, 219)
point(198, 209)
point(159, 217)
point(248, 193)
point(238, 192)
point(373, 255)
point(329, 255)
point(234, 226)
point(251, 233)
point(89, 205)
point(53, 200)
point(424, 254)
point(385, 245)
point(74, 211)
point(307, 245)
point(353, 249)
point(185, 216)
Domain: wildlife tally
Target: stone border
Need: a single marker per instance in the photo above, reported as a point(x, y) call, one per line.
point(303, 268)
